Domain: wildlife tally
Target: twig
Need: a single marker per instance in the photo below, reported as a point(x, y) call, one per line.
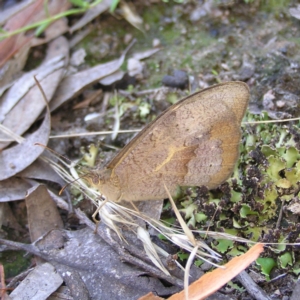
point(252, 288)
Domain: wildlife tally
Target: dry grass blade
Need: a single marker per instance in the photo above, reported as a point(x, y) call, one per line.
point(187, 271)
point(14, 137)
point(143, 235)
point(185, 228)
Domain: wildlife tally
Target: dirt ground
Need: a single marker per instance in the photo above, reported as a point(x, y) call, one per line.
point(201, 43)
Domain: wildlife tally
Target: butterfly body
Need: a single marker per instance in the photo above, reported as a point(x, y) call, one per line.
point(194, 142)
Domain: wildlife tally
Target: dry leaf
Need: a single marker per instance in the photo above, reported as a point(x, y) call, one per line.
point(30, 106)
point(26, 82)
point(295, 12)
point(90, 98)
point(42, 171)
point(13, 189)
point(8, 13)
point(91, 14)
point(18, 46)
point(145, 54)
point(150, 296)
point(19, 157)
point(53, 31)
point(72, 85)
point(8, 219)
point(131, 16)
point(11, 45)
point(39, 284)
point(213, 281)
point(112, 78)
point(42, 212)
point(100, 267)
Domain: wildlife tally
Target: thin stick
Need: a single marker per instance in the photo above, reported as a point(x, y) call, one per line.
point(271, 121)
point(92, 133)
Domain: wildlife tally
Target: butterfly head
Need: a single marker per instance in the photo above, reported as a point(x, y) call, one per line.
point(103, 182)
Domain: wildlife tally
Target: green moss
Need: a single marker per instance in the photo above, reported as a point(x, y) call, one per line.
point(274, 6)
point(14, 262)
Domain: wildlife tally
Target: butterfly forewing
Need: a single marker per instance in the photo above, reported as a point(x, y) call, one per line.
point(194, 142)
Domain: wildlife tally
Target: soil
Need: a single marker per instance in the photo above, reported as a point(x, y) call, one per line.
point(209, 42)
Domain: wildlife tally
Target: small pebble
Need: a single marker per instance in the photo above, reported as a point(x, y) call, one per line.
point(155, 43)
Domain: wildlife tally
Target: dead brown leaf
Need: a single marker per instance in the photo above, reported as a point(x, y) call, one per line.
point(13, 44)
point(8, 219)
point(87, 101)
point(213, 281)
point(150, 296)
point(8, 13)
point(42, 212)
point(130, 15)
point(14, 50)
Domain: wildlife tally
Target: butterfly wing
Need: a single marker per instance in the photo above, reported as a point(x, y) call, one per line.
point(194, 142)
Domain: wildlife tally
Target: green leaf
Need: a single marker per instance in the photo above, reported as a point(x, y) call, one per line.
point(266, 264)
point(182, 255)
point(235, 252)
point(246, 210)
point(275, 166)
point(170, 221)
point(144, 109)
point(200, 217)
point(236, 223)
point(293, 175)
point(236, 286)
point(283, 183)
point(254, 233)
point(223, 245)
point(296, 268)
point(291, 156)
point(236, 196)
point(162, 237)
point(286, 259)
point(42, 28)
point(198, 262)
point(268, 151)
point(114, 5)
point(89, 158)
point(214, 72)
point(189, 210)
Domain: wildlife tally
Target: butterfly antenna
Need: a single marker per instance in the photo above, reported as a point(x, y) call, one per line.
point(71, 182)
point(53, 151)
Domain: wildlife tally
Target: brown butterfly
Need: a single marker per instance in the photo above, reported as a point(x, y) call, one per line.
point(194, 142)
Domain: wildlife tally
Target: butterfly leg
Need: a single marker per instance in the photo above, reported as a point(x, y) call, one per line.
point(96, 212)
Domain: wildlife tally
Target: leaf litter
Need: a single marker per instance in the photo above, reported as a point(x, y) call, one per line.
point(14, 50)
point(85, 240)
point(10, 158)
point(28, 102)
